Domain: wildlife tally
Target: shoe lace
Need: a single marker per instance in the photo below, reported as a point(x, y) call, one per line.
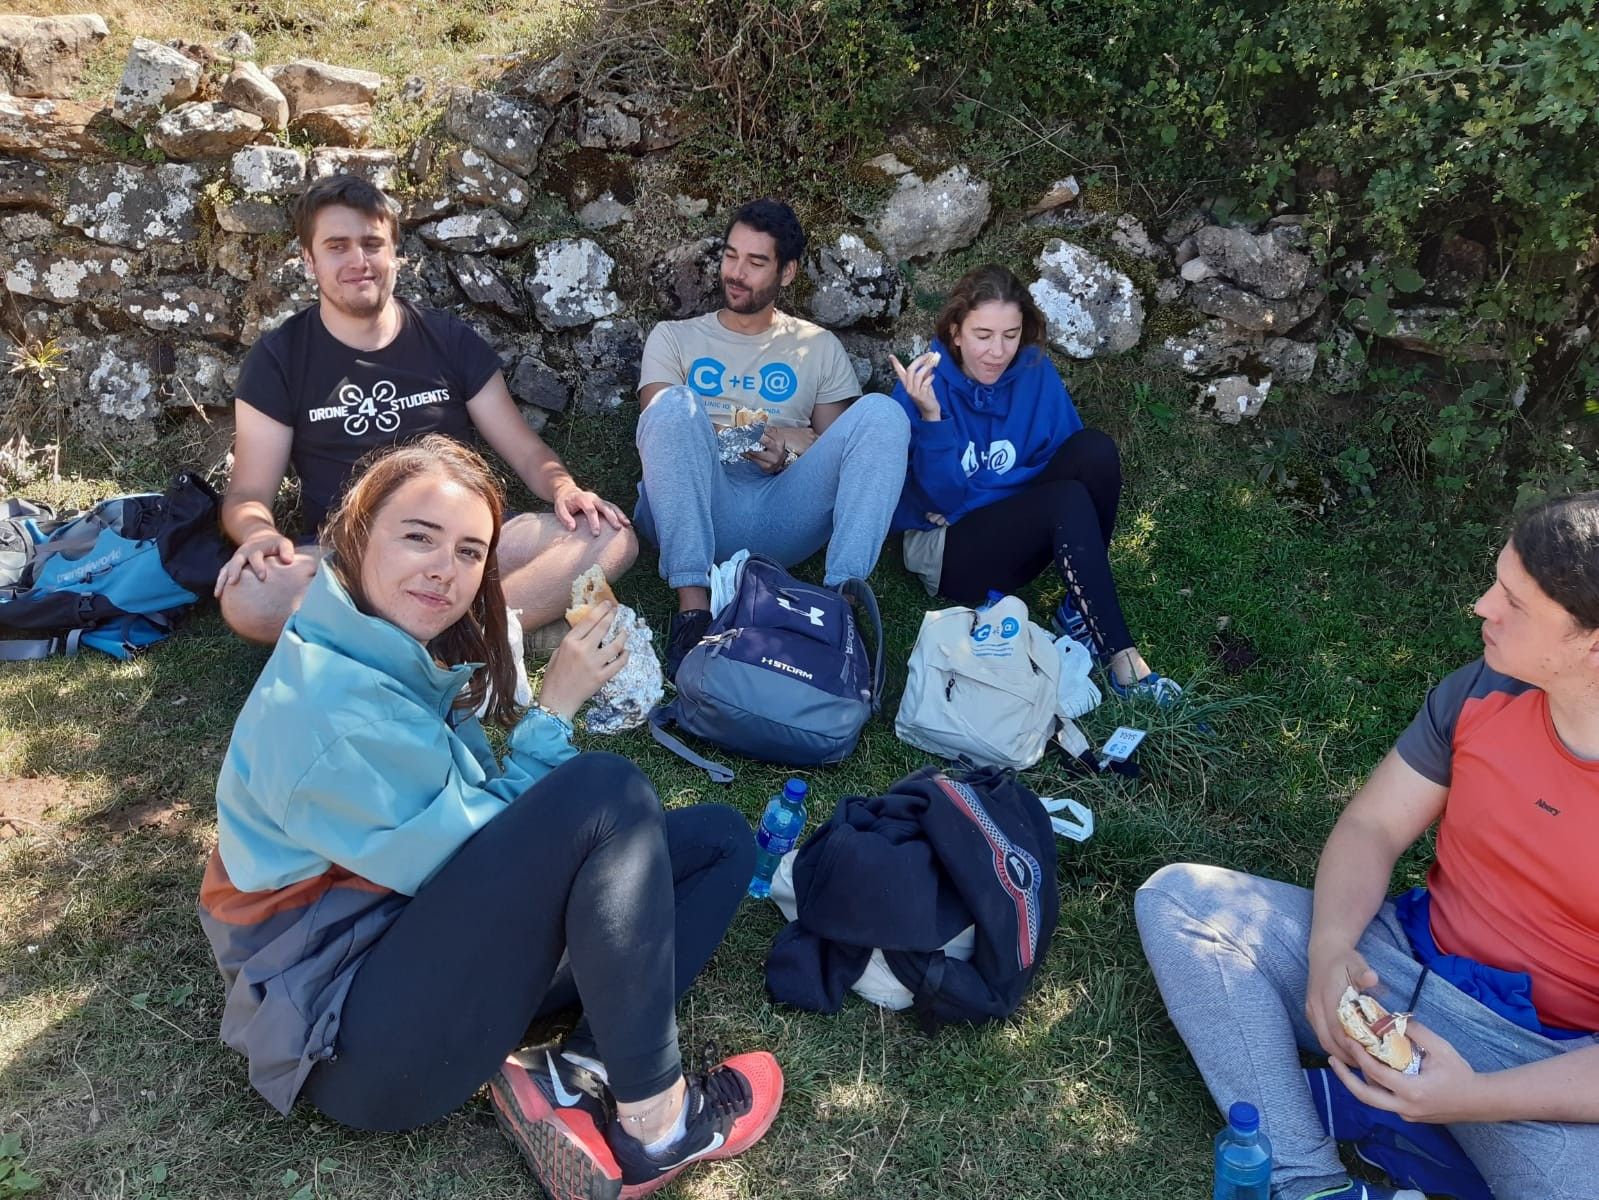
point(726, 1091)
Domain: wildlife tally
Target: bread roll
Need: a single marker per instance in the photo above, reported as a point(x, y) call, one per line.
point(588, 589)
point(1381, 1032)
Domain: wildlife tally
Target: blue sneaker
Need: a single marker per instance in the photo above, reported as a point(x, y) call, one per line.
point(1154, 687)
point(1357, 1189)
point(1068, 622)
point(1414, 1155)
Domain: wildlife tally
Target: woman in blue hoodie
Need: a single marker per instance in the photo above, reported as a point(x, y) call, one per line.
point(1004, 479)
point(391, 906)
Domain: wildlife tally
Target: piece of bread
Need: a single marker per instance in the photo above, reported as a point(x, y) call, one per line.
point(747, 416)
point(1381, 1032)
point(588, 589)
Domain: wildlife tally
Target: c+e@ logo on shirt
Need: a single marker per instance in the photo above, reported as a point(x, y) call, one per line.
point(777, 381)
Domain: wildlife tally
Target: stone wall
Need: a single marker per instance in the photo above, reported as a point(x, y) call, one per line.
point(148, 279)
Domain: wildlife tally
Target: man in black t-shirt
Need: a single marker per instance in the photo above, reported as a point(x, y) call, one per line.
point(361, 369)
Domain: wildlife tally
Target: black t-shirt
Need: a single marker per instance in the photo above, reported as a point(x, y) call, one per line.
point(342, 402)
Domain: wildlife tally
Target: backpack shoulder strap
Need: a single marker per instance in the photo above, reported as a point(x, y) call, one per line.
point(663, 715)
point(28, 649)
point(861, 591)
point(18, 507)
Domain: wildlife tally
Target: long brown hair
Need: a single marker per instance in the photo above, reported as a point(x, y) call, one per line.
point(979, 287)
point(480, 634)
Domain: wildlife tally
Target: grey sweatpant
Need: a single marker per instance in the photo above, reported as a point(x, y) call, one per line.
point(841, 492)
point(1229, 952)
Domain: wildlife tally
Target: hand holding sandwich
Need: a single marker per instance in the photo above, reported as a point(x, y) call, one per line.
point(1446, 1092)
point(584, 662)
point(1332, 970)
point(780, 446)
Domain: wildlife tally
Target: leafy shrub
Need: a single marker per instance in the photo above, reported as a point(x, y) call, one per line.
point(1393, 124)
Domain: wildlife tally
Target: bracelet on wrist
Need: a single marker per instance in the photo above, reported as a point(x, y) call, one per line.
point(564, 723)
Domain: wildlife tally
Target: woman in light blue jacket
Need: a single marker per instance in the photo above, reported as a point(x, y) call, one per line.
point(391, 907)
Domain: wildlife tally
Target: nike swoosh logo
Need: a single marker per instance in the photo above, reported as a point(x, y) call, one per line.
point(715, 1144)
point(563, 1097)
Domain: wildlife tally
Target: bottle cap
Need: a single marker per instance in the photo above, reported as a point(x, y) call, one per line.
point(1244, 1117)
point(795, 789)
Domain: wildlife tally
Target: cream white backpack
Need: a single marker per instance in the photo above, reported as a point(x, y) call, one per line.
point(984, 686)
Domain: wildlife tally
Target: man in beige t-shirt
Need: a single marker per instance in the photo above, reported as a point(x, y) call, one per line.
point(828, 468)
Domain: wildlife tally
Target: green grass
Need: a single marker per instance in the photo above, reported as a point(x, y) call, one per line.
point(109, 1002)
point(110, 1071)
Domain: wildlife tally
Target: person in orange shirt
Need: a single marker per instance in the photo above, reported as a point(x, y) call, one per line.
point(1497, 957)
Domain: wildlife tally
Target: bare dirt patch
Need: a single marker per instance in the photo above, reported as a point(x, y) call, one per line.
point(46, 804)
point(169, 816)
point(27, 805)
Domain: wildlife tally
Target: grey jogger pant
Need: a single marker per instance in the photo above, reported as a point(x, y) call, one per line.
point(841, 492)
point(1230, 954)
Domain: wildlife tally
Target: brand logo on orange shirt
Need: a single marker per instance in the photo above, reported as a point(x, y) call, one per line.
point(1549, 808)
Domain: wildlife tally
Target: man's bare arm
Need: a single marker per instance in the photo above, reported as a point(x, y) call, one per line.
point(494, 414)
point(823, 415)
point(261, 448)
point(1387, 815)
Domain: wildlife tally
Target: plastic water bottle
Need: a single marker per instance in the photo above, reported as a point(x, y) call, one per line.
point(1243, 1157)
point(780, 829)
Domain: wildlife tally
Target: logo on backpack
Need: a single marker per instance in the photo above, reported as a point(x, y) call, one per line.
point(788, 668)
point(1016, 869)
point(774, 688)
point(1008, 628)
point(812, 614)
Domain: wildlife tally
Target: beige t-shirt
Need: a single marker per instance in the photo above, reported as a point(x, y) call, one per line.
point(784, 372)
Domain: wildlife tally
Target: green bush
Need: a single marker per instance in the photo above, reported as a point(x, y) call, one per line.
point(1393, 124)
point(1431, 114)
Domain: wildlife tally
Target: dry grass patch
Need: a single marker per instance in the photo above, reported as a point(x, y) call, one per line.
point(454, 40)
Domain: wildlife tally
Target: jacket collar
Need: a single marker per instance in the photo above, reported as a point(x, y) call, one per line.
point(327, 617)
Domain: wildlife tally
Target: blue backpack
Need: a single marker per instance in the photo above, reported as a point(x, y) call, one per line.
point(117, 577)
point(782, 674)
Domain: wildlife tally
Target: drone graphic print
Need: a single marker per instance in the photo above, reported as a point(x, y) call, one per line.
point(367, 411)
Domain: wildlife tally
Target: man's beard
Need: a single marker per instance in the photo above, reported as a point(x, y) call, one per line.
point(753, 300)
point(359, 310)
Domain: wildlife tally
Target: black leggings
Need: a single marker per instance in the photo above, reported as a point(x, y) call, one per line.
point(1065, 515)
point(584, 863)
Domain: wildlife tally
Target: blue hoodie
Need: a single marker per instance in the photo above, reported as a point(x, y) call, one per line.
point(991, 441)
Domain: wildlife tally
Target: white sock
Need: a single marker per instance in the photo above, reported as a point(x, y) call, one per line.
point(672, 1136)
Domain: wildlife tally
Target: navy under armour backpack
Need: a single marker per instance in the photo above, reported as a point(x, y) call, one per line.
point(117, 577)
point(782, 674)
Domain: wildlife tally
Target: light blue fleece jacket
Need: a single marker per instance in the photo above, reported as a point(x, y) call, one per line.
point(348, 752)
point(991, 441)
point(348, 768)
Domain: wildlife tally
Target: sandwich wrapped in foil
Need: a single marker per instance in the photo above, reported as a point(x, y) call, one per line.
point(624, 701)
point(733, 442)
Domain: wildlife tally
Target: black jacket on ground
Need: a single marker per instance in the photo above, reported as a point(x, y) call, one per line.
point(907, 871)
